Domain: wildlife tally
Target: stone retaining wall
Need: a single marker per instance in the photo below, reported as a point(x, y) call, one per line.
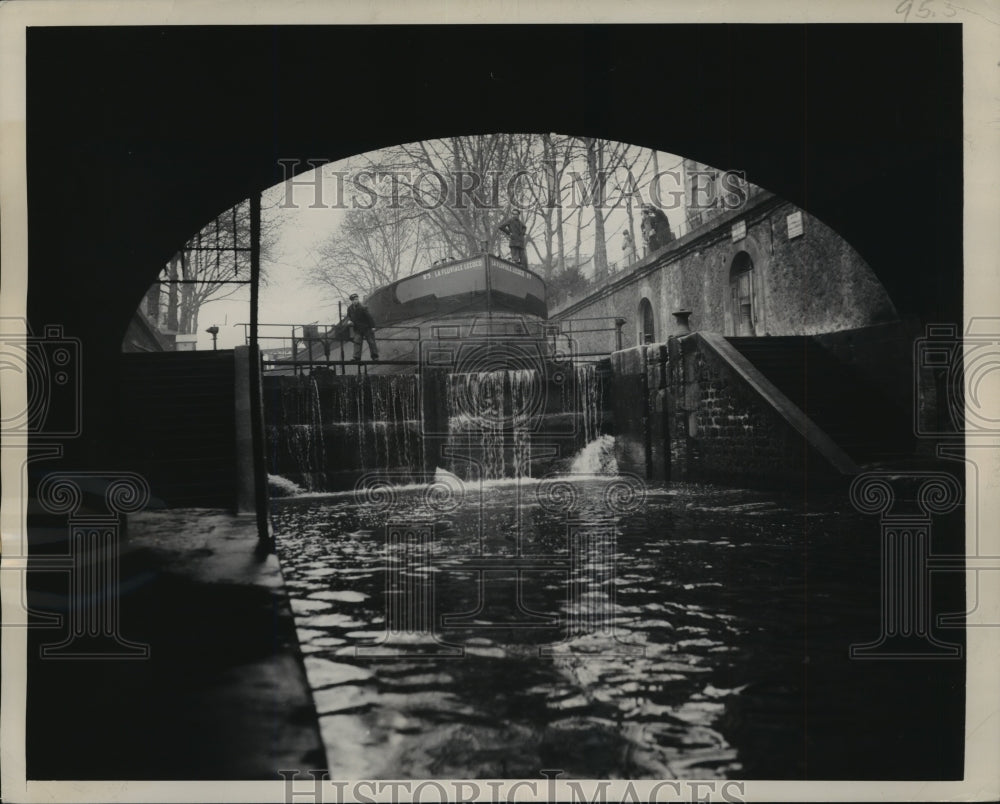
point(693, 409)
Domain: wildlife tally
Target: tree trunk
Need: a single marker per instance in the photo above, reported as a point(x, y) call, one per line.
point(600, 247)
point(595, 150)
point(184, 324)
point(172, 289)
point(560, 239)
point(631, 229)
point(579, 236)
point(548, 210)
point(555, 201)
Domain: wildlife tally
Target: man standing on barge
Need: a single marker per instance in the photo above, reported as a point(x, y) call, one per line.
point(515, 230)
point(362, 328)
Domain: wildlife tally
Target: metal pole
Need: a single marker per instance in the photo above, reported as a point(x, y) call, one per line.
point(254, 269)
point(256, 390)
point(340, 320)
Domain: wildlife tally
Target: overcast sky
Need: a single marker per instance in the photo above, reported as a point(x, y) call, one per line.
point(287, 298)
point(308, 221)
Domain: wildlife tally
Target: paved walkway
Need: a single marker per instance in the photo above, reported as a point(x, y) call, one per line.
point(223, 694)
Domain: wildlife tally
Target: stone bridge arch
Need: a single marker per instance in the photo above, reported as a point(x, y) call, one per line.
point(120, 174)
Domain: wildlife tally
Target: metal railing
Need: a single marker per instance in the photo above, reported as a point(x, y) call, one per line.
point(308, 347)
point(569, 328)
point(311, 348)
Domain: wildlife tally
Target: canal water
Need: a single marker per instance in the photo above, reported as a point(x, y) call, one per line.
point(604, 628)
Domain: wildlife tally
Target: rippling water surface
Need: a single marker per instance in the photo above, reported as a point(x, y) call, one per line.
point(723, 624)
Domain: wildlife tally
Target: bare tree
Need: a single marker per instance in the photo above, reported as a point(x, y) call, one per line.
point(444, 198)
point(556, 157)
point(371, 248)
point(480, 174)
point(214, 264)
point(604, 160)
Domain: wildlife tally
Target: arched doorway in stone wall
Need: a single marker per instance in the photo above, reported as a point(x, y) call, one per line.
point(742, 315)
point(647, 325)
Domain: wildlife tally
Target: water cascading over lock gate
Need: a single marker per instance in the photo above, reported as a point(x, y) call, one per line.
point(327, 431)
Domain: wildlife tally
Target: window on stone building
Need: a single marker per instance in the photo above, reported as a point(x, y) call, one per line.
point(741, 291)
point(647, 331)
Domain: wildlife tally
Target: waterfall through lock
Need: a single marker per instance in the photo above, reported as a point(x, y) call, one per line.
point(327, 432)
point(489, 415)
point(301, 435)
point(589, 390)
point(596, 458)
point(395, 420)
point(507, 423)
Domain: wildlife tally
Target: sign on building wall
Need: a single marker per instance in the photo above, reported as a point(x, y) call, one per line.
point(794, 222)
point(739, 230)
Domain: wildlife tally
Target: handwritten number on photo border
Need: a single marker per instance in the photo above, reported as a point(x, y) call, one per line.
point(925, 10)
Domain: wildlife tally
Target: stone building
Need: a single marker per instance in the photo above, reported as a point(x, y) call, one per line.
point(795, 339)
point(767, 268)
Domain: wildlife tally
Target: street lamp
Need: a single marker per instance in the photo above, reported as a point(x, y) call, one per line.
point(214, 332)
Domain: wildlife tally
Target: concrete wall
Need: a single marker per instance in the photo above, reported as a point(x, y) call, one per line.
point(630, 406)
point(812, 283)
point(728, 425)
point(694, 409)
point(882, 355)
point(175, 413)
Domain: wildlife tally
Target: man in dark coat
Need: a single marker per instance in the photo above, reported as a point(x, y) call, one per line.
point(515, 230)
point(363, 328)
point(655, 228)
point(648, 229)
point(661, 225)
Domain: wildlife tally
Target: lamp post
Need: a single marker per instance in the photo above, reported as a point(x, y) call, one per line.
point(340, 320)
point(214, 332)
